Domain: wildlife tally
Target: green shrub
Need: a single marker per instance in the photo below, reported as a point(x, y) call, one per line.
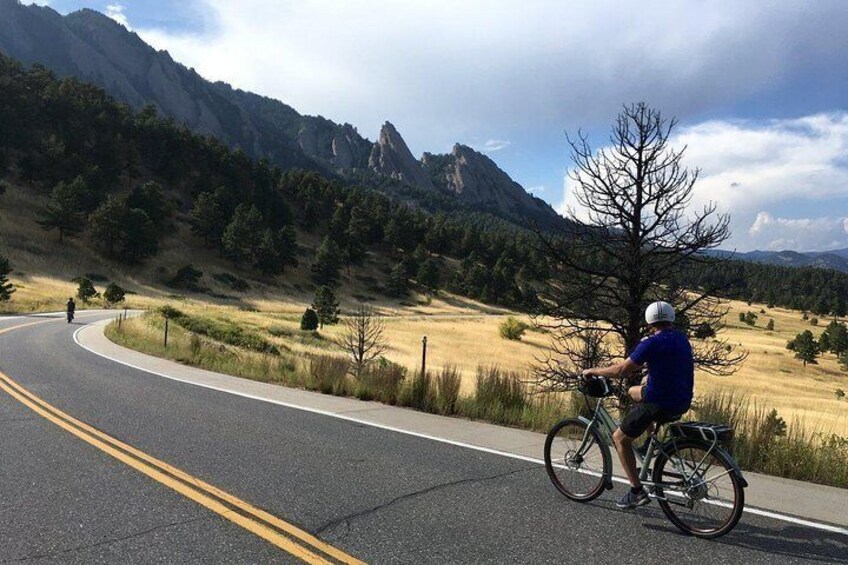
point(380, 381)
point(512, 329)
point(235, 283)
point(419, 393)
point(279, 331)
point(447, 389)
point(225, 332)
point(187, 278)
point(170, 312)
point(329, 374)
point(114, 294)
point(309, 320)
point(195, 345)
point(500, 395)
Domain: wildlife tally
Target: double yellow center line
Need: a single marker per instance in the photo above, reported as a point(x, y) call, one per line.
point(280, 533)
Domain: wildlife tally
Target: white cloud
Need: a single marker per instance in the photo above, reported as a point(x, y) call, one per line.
point(116, 12)
point(746, 165)
point(447, 70)
point(492, 145)
point(801, 234)
point(749, 167)
point(535, 189)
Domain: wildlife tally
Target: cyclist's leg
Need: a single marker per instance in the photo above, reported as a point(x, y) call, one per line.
point(624, 447)
point(633, 425)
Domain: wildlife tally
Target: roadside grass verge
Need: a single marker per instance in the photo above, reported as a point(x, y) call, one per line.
point(763, 441)
point(766, 443)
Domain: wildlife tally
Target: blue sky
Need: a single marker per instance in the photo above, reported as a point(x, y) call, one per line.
point(760, 88)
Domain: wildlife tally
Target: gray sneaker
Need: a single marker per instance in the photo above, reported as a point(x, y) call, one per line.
point(631, 500)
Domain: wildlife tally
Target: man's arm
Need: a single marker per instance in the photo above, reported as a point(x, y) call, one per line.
point(622, 369)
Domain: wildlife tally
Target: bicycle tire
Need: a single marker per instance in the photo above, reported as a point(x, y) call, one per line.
point(569, 430)
point(706, 486)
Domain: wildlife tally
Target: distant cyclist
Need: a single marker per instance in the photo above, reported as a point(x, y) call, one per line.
point(665, 394)
point(71, 307)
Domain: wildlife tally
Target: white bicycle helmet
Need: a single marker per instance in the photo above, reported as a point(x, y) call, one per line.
point(659, 312)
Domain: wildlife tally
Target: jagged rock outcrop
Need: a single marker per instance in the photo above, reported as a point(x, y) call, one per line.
point(478, 181)
point(392, 158)
point(92, 47)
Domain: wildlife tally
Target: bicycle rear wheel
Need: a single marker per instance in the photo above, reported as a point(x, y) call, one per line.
point(698, 489)
point(577, 460)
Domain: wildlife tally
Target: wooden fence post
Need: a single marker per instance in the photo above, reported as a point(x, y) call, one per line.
point(424, 356)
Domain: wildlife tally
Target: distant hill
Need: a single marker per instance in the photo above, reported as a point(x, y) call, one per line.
point(92, 47)
point(836, 259)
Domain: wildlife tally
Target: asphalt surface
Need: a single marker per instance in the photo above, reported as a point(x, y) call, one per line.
point(381, 496)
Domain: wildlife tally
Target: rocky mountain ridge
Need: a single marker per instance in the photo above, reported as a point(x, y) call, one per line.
point(92, 47)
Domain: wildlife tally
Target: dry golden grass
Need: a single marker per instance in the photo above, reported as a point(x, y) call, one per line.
point(773, 378)
point(460, 332)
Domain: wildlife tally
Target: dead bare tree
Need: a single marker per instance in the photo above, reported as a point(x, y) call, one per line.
point(362, 338)
point(627, 249)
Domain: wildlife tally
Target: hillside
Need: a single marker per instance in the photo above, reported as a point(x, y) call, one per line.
point(130, 192)
point(94, 48)
point(836, 259)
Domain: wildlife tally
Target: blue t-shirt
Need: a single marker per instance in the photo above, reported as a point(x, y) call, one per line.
point(671, 369)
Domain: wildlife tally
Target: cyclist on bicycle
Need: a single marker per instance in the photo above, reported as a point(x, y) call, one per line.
point(70, 308)
point(665, 394)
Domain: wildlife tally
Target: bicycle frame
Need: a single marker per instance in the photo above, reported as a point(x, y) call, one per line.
point(604, 422)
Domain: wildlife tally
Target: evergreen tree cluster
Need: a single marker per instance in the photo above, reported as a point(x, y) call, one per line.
point(820, 291)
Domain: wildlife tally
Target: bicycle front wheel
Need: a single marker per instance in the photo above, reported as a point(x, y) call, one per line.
point(577, 460)
point(698, 489)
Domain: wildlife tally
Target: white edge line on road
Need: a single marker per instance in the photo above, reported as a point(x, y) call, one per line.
point(749, 510)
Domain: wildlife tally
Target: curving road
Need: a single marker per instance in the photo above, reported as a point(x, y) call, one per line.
point(370, 493)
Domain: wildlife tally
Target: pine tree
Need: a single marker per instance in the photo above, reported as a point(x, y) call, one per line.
point(834, 338)
point(64, 210)
point(151, 198)
point(398, 283)
point(805, 347)
point(428, 275)
point(140, 238)
point(86, 290)
point(207, 218)
point(267, 255)
point(114, 294)
point(287, 246)
point(106, 223)
point(325, 269)
point(242, 236)
point(356, 236)
point(6, 288)
point(326, 306)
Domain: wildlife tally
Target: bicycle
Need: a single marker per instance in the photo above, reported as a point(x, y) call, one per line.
point(696, 481)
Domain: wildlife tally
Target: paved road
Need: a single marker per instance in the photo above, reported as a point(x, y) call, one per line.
point(380, 496)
